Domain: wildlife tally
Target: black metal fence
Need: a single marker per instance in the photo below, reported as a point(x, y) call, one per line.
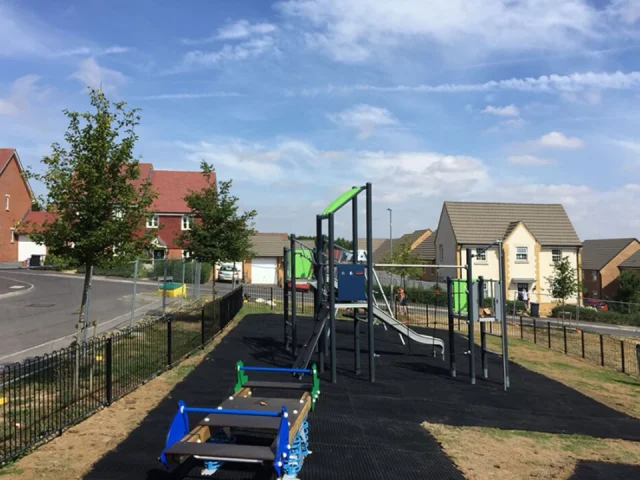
point(42, 397)
point(622, 355)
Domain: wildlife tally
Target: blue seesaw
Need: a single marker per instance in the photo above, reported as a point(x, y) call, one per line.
point(274, 431)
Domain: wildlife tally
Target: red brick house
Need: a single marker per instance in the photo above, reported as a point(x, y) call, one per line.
point(15, 198)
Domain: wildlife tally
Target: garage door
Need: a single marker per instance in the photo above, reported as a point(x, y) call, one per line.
point(27, 247)
point(263, 270)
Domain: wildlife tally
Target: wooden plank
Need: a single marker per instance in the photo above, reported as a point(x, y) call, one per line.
point(302, 413)
point(201, 432)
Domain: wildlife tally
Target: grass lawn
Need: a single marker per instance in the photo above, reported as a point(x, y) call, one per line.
point(490, 453)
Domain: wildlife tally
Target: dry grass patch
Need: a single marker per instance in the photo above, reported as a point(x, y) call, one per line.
point(71, 455)
point(490, 453)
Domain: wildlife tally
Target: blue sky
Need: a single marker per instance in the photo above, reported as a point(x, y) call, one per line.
point(297, 100)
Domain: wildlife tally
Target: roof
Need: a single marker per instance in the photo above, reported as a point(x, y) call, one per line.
point(632, 262)
point(172, 186)
point(427, 248)
point(269, 244)
point(33, 219)
point(5, 155)
point(385, 247)
point(145, 173)
point(376, 242)
point(484, 222)
point(597, 253)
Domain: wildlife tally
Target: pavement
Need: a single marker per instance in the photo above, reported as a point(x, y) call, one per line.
point(44, 318)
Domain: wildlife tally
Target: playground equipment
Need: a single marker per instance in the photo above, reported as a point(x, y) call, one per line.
point(247, 428)
point(465, 301)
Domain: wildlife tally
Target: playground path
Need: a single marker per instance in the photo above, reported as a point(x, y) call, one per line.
point(373, 431)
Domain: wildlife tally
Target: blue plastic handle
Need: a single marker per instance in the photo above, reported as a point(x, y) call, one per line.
point(275, 369)
point(254, 413)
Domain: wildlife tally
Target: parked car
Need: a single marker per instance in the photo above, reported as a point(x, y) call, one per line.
point(595, 303)
point(227, 273)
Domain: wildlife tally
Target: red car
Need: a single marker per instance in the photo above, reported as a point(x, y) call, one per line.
point(595, 303)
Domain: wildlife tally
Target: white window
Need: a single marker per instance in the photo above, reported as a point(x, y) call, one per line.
point(152, 222)
point(522, 254)
point(594, 276)
point(441, 253)
point(13, 235)
point(186, 222)
point(556, 255)
point(6, 202)
point(481, 256)
point(118, 213)
point(185, 254)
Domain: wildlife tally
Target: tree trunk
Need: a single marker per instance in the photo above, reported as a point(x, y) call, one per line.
point(85, 294)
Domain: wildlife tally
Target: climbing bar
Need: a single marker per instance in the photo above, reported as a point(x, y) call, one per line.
point(418, 265)
point(275, 369)
point(224, 411)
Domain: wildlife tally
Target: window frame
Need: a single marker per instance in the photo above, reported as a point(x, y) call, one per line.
point(553, 250)
point(189, 222)
point(7, 202)
point(153, 221)
point(594, 276)
point(481, 259)
point(522, 260)
point(13, 234)
point(185, 254)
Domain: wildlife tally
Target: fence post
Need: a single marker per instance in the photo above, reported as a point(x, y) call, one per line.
point(582, 341)
point(549, 334)
point(133, 300)
point(638, 357)
point(109, 370)
point(601, 350)
point(169, 359)
point(535, 332)
point(202, 326)
point(427, 309)
point(564, 334)
point(303, 302)
point(271, 298)
point(521, 329)
point(622, 356)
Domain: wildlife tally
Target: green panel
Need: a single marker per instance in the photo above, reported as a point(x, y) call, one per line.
point(304, 267)
point(341, 200)
point(459, 296)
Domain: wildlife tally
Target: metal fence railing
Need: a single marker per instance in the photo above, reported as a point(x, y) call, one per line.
point(622, 355)
point(42, 397)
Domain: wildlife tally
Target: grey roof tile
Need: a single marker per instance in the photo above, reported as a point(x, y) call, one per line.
point(632, 262)
point(597, 253)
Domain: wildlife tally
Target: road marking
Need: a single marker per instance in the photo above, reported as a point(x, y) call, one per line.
point(50, 342)
point(13, 287)
point(95, 278)
point(17, 292)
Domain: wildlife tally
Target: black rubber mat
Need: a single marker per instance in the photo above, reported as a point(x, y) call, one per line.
point(368, 431)
point(589, 470)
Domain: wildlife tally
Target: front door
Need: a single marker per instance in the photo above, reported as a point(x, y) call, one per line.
point(158, 253)
point(522, 287)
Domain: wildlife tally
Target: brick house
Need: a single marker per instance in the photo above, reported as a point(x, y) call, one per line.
point(632, 263)
point(413, 239)
point(426, 250)
point(602, 260)
point(15, 197)
point(534, 237)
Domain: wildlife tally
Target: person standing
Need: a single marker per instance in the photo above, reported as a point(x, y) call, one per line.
point(401, 300)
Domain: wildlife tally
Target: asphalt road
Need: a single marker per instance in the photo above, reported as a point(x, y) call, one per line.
point(48, 311)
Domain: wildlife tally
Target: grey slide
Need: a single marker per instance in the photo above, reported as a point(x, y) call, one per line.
point(404, 330)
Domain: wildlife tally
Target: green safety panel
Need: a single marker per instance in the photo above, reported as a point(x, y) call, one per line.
point(304, 267)
point(341, 200)
point(459, 296)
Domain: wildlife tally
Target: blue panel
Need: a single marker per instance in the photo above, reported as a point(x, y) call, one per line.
point(351, 283)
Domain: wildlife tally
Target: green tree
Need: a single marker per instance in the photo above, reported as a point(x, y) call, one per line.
point(219, 232)
point(92, 188)
point(563, 281)
point(402, 255)
point(343, 243)
point(629, 290)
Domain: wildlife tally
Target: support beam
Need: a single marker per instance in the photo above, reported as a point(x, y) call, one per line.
point(452, 337)
point(470, 318)
point(356, 324)
point(294, 327)
point(285, 261)
point(483, 329)
point(320, 279)
point(417, 265)
point(372, 365)
point(332, 300)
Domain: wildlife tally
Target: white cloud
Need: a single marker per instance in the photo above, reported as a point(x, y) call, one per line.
point(91, 74)
point(627, 11)
point(364, 118)
point(353, 31)
point(559, 140)
point(189, 96)
point(23, 91)
point(88, 51)
point(234, 31)
point(229, 53)
point(575, 82)
point(629, 145)
point(529, 160)
point(508, 111)
point(506, 125)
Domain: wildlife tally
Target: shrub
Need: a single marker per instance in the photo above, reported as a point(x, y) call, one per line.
point(174, 269)
point(123, 270)
point(520, 306)
point(593, 315)
point(425, 296)
point(60, 263)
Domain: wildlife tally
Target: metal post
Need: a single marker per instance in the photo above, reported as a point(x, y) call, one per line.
point(535, 332)
point(164, 290)
point(622, 356)
point(391, 256)
point(285, 300)
point(294, 294)
point(470, 318)
point(356, 322)
point(332, 300)
point(564, 335)
point(320, 277)
point(202, 333)
point(503, 310)
point(372, 366)
point(521, 329)
point(87, 307)
point(452, 340)
point(483, 330)
point(184, 265)
point(582, 341)
point(549, 334)
point(109, 370)
point(133, 299)
point(169, 356)
point(601, 350)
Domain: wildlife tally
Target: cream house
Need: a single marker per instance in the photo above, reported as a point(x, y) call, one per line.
point(533, 235)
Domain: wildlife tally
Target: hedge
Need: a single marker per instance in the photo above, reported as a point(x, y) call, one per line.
point(174, 269)
point(124, 270)
point(425, 296)
point(593, 315)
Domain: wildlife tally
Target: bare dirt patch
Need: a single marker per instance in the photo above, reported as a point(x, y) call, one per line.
point(71, 455)
point(493, 454)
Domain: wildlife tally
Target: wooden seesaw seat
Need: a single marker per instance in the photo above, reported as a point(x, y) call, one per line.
point(237, 429)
